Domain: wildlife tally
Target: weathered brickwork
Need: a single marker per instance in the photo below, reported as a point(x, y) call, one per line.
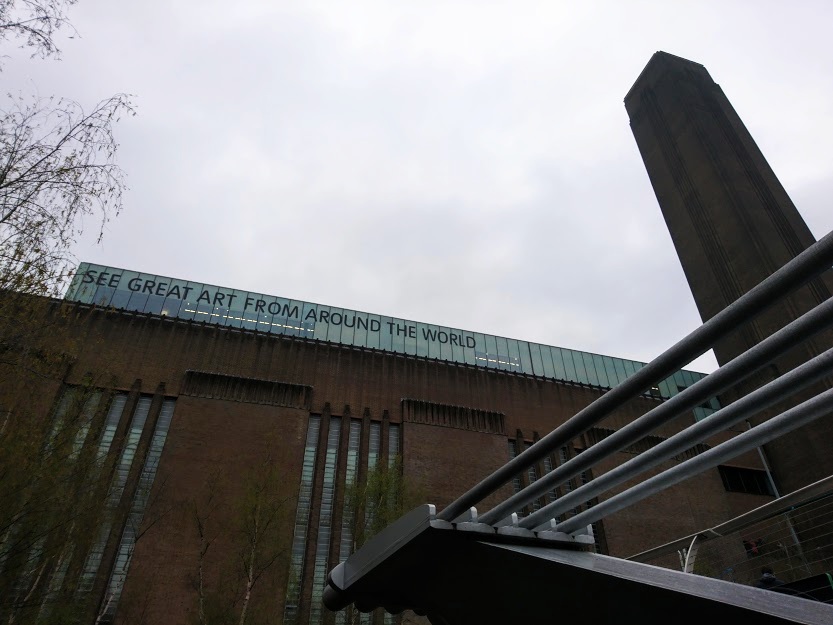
point(245, 400)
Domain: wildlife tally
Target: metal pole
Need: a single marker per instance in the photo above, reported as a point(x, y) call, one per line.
point(764, 462)
point(812, 409)
point(807, 494)
point(690, 556)
point(815, 259)
point(787, 518)
point(727, 376)
point(760, 399)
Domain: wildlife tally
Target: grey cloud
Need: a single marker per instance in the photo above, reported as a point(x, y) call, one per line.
point(468, 164)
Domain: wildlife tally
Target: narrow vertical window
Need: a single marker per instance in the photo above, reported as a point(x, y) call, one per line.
point(325, 521)
point(111, 423)
point(137, 512)
point(393, 455)
point(114, 494)
point(516, 481)
point(584, 477)
point(372, 459)
point(60, 423)
point(130, 448)
point(68, 397)
point(56, 581)
point(562, 458)
point(86, 421)
point(27, 579)
point(393, 443)
point(532, 475)
point(71, 423)
point(348, 513)
point(299, 538)
point(373, 445)
point(551, 494)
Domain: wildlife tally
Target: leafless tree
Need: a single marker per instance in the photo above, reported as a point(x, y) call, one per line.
point(58, 175)
point(57, 169)
point(33, 24)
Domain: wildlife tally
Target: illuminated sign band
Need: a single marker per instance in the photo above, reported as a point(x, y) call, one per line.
point(148, 293)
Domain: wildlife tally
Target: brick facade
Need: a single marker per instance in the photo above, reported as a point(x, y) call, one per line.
point(244, 398)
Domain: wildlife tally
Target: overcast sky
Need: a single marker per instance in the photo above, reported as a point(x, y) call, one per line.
point(468, 164)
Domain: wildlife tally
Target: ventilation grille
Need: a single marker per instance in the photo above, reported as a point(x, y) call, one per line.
point(245, 390)
point(594, 435)
point(444, 415)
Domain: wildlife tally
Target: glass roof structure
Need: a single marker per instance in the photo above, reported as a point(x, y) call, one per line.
point(159, 295)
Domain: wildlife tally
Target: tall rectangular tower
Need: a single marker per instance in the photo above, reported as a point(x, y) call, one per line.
point(732, 224)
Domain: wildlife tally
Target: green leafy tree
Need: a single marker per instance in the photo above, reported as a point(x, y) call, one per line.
point(377, 501)
point(52, 482)
point(58, 173)
point(251, 534)
point(380, 499)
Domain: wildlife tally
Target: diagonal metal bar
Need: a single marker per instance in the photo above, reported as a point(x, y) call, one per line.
point(802, 496)
point(810, 262)
point(814, 408)
point(760, 399)
point(727, 376)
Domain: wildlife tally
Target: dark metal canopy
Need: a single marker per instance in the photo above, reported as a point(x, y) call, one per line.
point(459, 567)
point(468, 573)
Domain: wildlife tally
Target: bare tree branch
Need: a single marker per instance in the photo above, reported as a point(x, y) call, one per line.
point(57, 171)
point(34, 24)
point(252, 525)
point(57, 167)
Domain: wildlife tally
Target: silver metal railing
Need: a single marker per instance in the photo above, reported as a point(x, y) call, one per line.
point(811, 262)
point(787, 421)
point(811, 492)
point(734, 413)
point(399, 568)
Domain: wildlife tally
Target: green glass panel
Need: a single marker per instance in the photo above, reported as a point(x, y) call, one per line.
point(558, 363)
point(610, 370)
point(546, 359)
point(537, 360)
point(569, 365)
point(601, 372)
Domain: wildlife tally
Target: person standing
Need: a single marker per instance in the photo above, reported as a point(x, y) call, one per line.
point(768, 579)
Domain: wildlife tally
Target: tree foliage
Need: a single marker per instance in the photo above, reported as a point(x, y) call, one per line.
point(374, 503)
point(57, 169)
point(251, 530)
point(33, 24)
point(57, 161)
point(52, 482)
point(377, 501)
point(57, 174)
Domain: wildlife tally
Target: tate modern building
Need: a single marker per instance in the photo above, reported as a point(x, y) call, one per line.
point(198, 403)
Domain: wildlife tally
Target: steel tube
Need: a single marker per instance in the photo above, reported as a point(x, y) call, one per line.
point(803, 267)
point(811, 492)
point(727, 376)
point(812, 409)
point(760, 399)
